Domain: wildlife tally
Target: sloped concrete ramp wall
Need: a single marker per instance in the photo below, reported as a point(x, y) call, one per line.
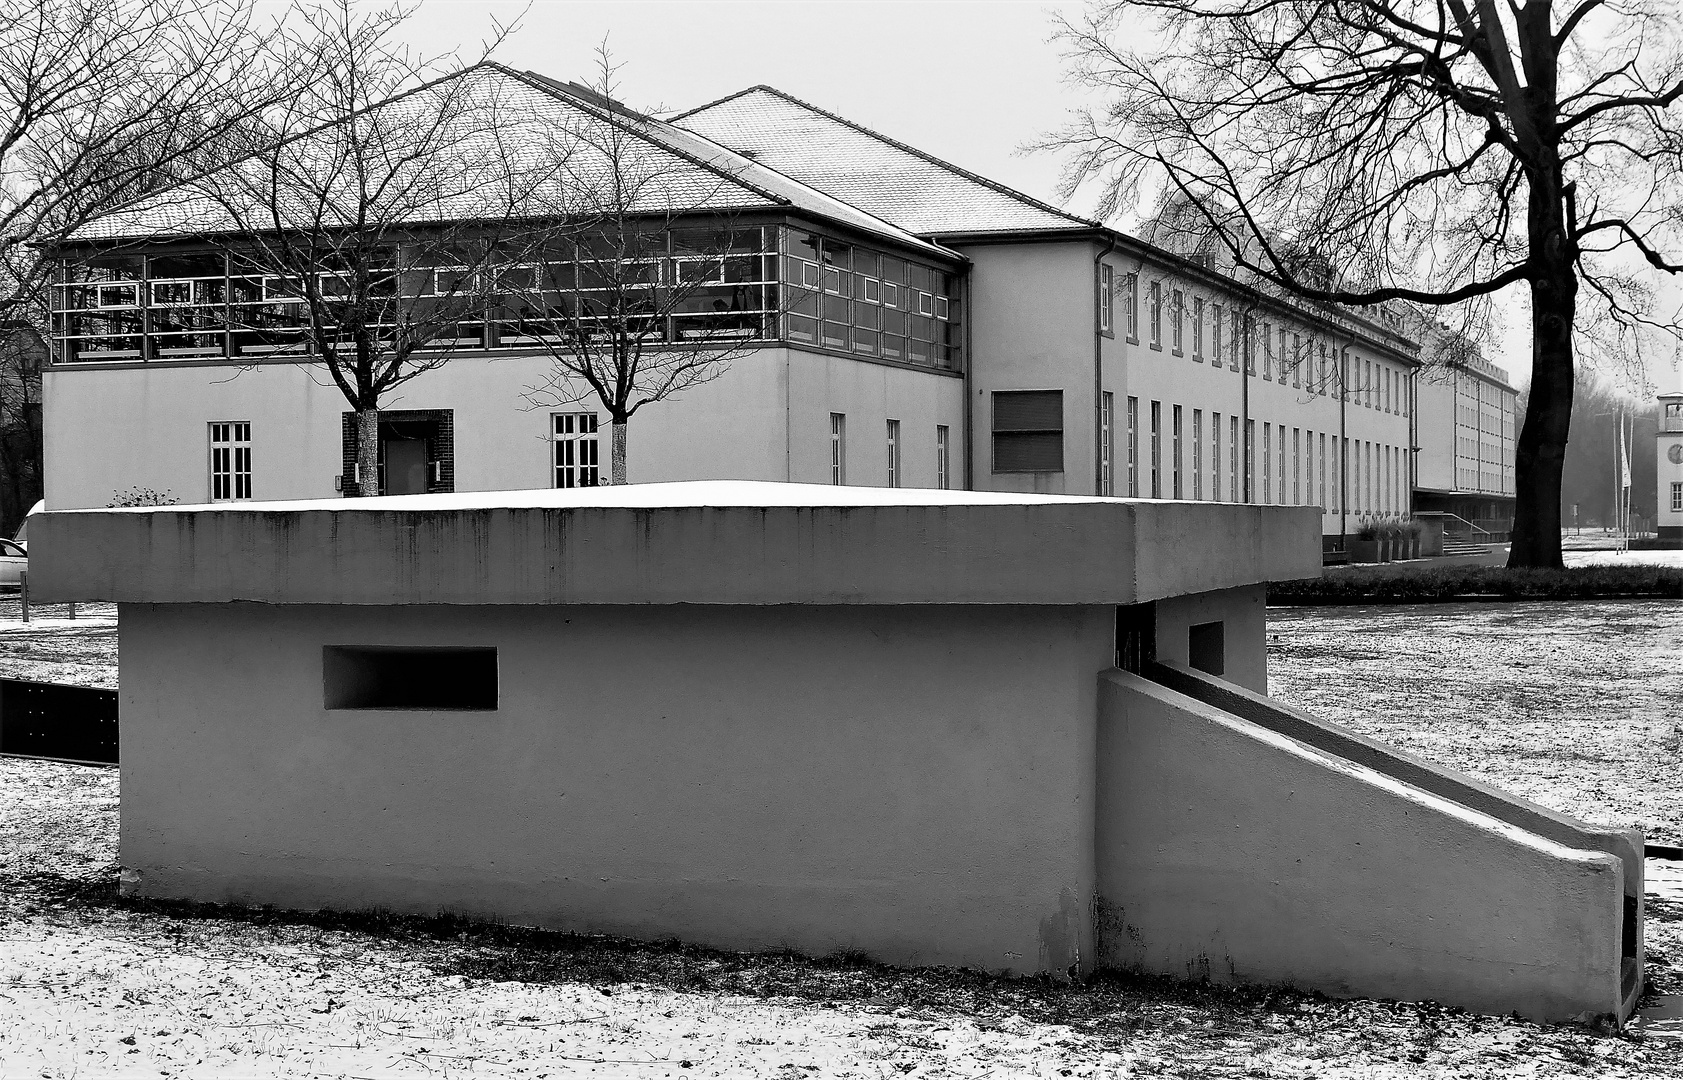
point(1230, 851)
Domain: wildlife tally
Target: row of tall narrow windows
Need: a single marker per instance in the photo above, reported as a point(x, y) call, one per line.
point(893, 474)
point(1291, 466)
point(1299, 359)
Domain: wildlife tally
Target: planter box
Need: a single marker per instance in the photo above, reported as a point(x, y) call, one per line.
point(1364, 551)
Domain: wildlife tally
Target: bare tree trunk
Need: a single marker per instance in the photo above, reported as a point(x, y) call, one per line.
point(1540, 457)
point(617, 452)
point(368, 451)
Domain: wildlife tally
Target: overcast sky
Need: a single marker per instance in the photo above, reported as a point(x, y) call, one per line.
point(969, 81)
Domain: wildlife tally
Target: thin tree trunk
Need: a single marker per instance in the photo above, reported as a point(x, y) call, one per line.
point(368, 451)
point(617, 451)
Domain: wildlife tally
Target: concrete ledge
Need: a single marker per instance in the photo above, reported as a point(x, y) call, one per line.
point(1227, 850)
point(710, 542)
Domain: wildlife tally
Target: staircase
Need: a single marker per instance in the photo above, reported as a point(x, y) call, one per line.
point(1463, 546)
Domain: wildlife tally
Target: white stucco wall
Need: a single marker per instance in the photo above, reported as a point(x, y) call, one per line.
point(913, 782)
point(1230, 852)
point(1243, 613)
point(765, 418)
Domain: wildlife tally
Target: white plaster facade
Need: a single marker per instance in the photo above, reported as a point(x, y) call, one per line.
point(1668, 450)
point(1030, 298)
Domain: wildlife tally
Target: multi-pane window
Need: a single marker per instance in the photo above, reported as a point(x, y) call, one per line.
point(1267, 463)
point(1215, 457)
point(192, 305)
point(1155, 305)
point(1676, 498)
point(1250, 461)
point(943, 457)
point(1322, 454)
point(1156, 450)
point(1297, 361)
point(1326, 372)
point(1215, 335)
point(1133, 448)
point(1197, 328)
point(1175, 464)
point(871, 302)
point(1107, 297)
point(1268, 351)
point(230, 460)
point(1131, 299)
point(1028, 431)
point(1177, 319)
point(1296, 467)
point(1282, 461)
point(1234, 492)
point(838, 448)
point(577, 450)
point(894, 453)
point(1197, 453)
point(1107, 444)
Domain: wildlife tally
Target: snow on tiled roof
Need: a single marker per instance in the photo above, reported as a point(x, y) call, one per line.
point(899, 183)
point(510, 145)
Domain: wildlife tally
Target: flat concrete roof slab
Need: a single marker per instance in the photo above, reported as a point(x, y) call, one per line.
point(699, 542)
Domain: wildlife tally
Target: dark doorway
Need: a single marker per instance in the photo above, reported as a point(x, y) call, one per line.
point(417, 452)
point(405, 466)
point(1206, 647)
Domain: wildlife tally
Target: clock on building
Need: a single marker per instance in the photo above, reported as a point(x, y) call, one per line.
point(1675, 454)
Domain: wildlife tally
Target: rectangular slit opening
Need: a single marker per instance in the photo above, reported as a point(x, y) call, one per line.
point(401, 677)
point(1206, 647)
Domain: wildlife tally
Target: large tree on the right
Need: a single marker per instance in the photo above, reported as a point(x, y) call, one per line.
point(1433, 151)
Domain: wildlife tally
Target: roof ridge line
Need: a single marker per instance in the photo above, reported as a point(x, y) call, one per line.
point(556, 89)
point(898, 145)
point(833, 198)
point(728, 97)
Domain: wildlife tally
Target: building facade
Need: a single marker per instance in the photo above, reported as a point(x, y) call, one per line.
point(905, 322)
point(1467, 427)
point(1669, 471)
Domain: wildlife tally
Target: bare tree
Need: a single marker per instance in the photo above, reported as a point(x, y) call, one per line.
point(101, 102)
point(1434, 151)
point(640, 283)
point(367, 228)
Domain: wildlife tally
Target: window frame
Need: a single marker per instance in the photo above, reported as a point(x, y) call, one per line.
point(225, 458)
point(587, 444)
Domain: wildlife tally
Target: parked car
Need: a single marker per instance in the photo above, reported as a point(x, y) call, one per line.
point(22, 538)
point(14, 560)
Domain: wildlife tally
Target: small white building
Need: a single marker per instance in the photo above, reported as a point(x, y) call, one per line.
point(1015, 732)
point(1668, 447)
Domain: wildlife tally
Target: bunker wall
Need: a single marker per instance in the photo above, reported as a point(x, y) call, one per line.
point(915, 782)
point(1228, 851)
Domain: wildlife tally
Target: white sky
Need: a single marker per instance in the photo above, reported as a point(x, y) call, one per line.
point(969, 81)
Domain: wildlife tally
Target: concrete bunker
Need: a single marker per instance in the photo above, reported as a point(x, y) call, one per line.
point(1014, 732)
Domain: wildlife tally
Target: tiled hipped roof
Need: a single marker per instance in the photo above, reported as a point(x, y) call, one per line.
point(919, 193)
point(518, 145)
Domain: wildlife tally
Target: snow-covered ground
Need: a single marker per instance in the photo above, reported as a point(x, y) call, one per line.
point(1670, 557)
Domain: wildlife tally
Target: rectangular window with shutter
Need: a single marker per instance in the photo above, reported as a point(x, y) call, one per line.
point(1028, 431)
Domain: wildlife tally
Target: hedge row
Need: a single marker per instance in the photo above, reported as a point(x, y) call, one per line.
point(1363, 585)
